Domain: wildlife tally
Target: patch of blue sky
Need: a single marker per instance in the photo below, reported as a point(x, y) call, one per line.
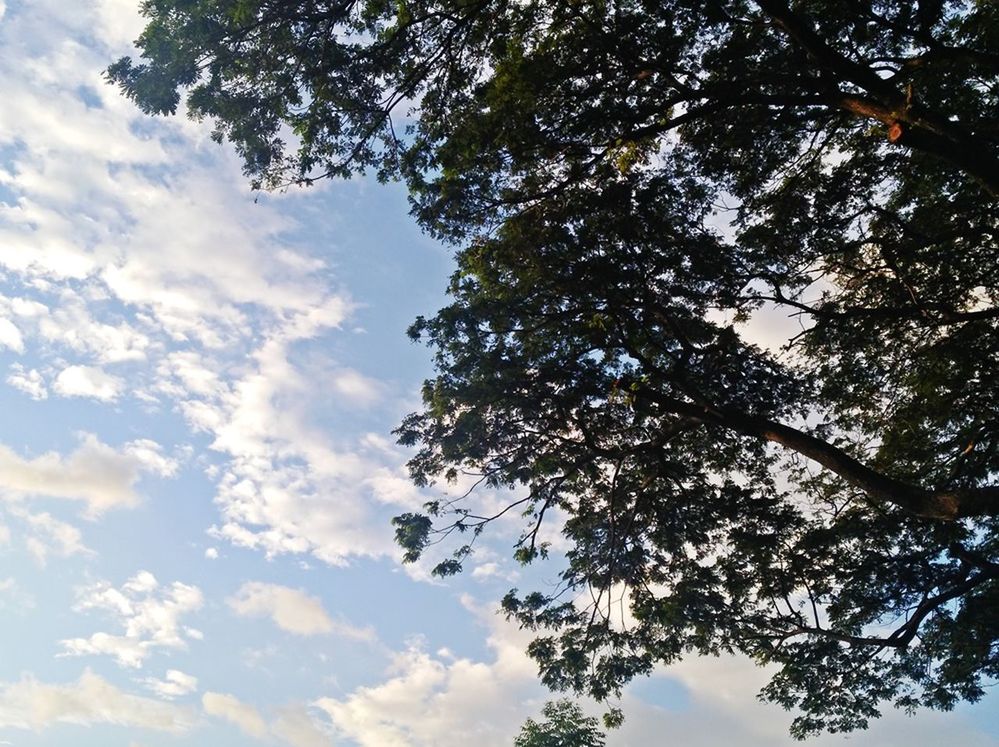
point(90, 96)
point(36, 614)
point(161, 534)
point(393, 271)
point(661, 691)
point(983, 715)
point(9, 152)
point(26, 426)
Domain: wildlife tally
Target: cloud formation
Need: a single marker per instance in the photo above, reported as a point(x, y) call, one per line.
point(292, 610)
point(50, 536)
point(437, 700)
point(148, 613)
point(28, 381)
point(293, 725)
point(88, 381)
point(173, 685)
point(95, 473)
point(90, 700)
point(229, 708)
point(296, 726)
point(110, 301)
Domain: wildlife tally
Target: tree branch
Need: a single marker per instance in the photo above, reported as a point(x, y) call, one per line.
point(908, 123)
point(904, 635)
point(944, 505)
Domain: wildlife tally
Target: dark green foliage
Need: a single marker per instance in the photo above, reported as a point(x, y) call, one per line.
point(412, 533)
point(565, 725)
point(628, 183)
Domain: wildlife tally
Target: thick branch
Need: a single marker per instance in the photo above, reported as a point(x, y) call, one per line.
point(922, 132)
point(802, 33)
point(946, 505)
point(908, 123)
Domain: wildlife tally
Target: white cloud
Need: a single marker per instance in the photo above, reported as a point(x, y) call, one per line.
point(186, 372)
point(51, 536)
point(442, 701)
point(356, 387)
point(173, 685)
point(286, 488)
point(149, 455)
point(117, 23)
point(291, 609)
point(493, 569)
point(212, 553)
point(28, 308)
point(30, 704)
point(28, 381)
point(148, 613)
point(296, 726)
point(142, 582)
point(94, 473)
point(293, 724)
point(194, 634)
point(245, 717)
point(128, 652)
point(72, 326)
point(10, 336)
point(88, 381)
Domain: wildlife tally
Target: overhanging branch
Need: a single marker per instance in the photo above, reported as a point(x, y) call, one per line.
point(945, 505)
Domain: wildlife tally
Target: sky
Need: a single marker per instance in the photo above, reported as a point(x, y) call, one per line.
point(198, 386)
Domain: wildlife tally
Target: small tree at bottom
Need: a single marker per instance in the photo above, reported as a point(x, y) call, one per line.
point(565, 725)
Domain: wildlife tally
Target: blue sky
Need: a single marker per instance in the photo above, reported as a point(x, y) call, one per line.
point(196, 466)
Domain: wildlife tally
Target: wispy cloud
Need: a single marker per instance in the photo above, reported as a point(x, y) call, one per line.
point(126, 288)
point(29, 381)
point(296, 726)
point(90, 700)
point(173, 685)
point(50, 536)
point(96, 474)
point(148, 614)
point(229, 708)
point(292, 610)
point(441, 701)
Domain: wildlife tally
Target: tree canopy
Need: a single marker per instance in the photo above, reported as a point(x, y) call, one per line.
point(628, 185)
point(565, 725)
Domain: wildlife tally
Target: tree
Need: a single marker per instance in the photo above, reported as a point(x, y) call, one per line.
point(565, 726)
point(629, 184)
